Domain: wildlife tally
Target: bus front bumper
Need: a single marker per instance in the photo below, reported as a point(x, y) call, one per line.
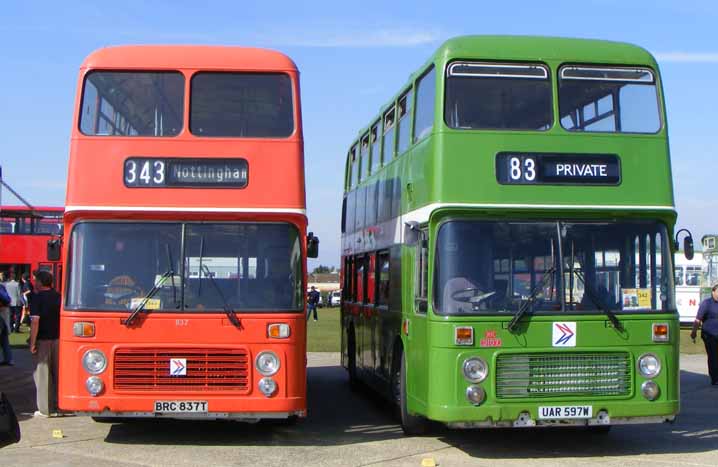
point(519, 415)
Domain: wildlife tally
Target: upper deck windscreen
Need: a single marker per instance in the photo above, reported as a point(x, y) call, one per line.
point(132, 103)
point(607, 99)
point(498, 96)
point(242, 105)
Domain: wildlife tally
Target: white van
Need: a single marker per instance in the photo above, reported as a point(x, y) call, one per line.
point(688, 285)
point(335, 298)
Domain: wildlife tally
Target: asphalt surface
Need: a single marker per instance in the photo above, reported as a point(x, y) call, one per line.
point(345, 428)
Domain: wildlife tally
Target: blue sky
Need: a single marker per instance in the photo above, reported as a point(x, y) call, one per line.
point(353, 56)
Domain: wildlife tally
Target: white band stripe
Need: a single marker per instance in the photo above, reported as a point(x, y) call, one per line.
point(422, 214)
point(185, 209)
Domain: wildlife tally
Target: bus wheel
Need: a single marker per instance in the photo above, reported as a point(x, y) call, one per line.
point(352, 360)
point(411, 424)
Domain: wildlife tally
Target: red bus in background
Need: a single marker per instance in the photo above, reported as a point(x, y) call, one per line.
point(185, 237)
point(24, 233)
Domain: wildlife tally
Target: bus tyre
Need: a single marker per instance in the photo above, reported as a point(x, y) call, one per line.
point(412, 425)
point(352, 360)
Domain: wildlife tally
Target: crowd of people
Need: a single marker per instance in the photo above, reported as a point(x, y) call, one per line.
point(37, 306)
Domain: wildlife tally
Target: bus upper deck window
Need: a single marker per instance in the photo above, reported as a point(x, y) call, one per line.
point(498, 96)
point(608, 99)
point(124, 103)
point(242, 105)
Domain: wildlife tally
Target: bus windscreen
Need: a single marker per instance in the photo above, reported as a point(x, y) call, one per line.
point(255, 266)
point(560, 267)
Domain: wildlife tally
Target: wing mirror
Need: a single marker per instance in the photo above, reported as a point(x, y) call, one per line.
point(54, 249)
point(312, 245)
point(688, 249)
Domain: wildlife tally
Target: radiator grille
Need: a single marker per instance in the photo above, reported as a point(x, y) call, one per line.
point(574, 374)
point(207, 369)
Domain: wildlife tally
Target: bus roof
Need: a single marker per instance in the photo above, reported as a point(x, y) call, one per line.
point(160, 57)
point(522, 49)
point(26, 211)
point(545, 48)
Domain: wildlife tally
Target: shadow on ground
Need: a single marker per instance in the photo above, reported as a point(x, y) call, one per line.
point(337, 416)
point(695, 430)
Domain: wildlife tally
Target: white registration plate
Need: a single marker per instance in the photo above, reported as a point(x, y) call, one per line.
point(180, 406)
point(556, 412)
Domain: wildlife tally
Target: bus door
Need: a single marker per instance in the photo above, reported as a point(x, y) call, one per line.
point(381, 316)
point(367, 316)
point(416, 352)
point(356, 306)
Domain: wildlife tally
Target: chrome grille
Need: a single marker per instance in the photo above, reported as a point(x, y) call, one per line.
point(565, 374)
point(207, 369)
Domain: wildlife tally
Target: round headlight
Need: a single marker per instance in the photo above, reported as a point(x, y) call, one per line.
point(649, 365)
point(475, 369)
point(475, 394)
point(267, 363)
point(267, 386)
point(94, 362)
point(650, 390)
point(94, 385)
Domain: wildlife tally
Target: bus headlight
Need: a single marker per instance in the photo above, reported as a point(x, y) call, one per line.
point(475, 369)
point(650, 390)
point(475, 394)
point(267, 386)
point(267, 363)
point(649, 365)
point(94, 385)
point(94, 362)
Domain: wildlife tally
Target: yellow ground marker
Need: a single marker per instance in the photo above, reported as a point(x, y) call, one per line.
point(57, 434)
point(428, 462)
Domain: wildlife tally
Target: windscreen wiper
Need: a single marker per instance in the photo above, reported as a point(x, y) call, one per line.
point(594, 297)
point(174, 287)
point(227, 309)
point(140, 306)
point(547, 274)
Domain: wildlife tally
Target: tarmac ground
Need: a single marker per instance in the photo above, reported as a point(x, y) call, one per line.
point(346, 428)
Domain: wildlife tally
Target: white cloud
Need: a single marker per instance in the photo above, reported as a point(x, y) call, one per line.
point(361, 38)
point(687, 57)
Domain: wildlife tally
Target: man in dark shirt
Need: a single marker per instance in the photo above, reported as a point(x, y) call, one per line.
point(312, 301)
point(44, 338)
point(707, 318)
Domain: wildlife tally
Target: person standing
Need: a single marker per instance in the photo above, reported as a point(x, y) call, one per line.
point(5, 323)
point(27, 290)
point(44, 338)
point(707, 319)
point(13, 289)
point(312, 301)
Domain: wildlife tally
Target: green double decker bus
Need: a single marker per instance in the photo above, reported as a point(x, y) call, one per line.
point(507, 239)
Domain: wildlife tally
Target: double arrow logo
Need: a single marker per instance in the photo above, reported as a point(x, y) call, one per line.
point(563, 334)
point(178, 367)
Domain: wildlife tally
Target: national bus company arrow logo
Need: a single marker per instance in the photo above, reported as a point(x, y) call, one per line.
point(178, 367)
point(564, 334)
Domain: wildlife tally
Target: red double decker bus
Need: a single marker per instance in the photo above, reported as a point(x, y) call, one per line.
point(24, 233)
point(185, 236)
